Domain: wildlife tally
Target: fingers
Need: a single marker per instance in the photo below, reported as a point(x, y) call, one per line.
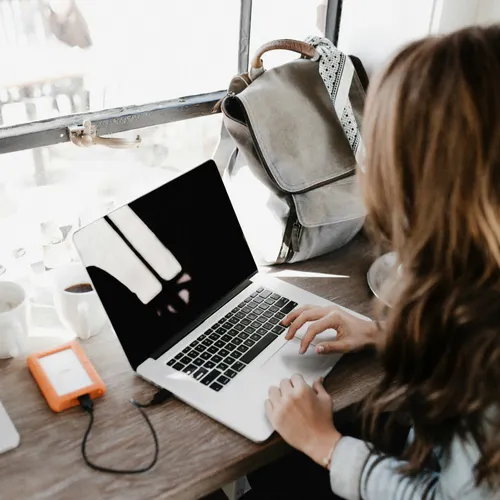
point(340, 346)
point(292, 316)
point(297, 381)
point(286, 387)
point(319, 388)
point(332, 320)
point(274, 394)
point(303, 317)
point(269, 408)
point(317, 385)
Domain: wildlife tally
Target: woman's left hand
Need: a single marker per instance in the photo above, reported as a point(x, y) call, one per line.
point(302, 415)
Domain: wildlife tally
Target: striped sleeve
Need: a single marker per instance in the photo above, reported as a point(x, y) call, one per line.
point(356, 473)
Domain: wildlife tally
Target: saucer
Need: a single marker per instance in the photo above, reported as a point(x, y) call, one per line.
point(380, 271)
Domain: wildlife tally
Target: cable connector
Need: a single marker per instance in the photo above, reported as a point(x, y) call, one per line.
point(160, 397)
point(86, 403)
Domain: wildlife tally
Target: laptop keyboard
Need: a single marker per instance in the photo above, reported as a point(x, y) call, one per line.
point(218, 355)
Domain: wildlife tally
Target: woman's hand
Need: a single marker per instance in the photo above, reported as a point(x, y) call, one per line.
point(353, 334)
point(303, 417)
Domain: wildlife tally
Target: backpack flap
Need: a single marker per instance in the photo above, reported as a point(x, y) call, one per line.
point(330, 204)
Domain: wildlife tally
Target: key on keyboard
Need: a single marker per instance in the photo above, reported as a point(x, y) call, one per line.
point(258, 348)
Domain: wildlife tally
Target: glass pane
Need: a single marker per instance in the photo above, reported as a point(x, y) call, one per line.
point(61, 57)
point(47, 193)
point(285, 19)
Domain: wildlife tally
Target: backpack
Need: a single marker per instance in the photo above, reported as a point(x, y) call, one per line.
point(291, 176)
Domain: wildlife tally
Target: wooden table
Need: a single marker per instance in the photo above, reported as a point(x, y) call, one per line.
point(197, 455)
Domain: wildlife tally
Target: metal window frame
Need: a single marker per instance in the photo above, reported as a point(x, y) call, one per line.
point(109, 121)
point(332, 23)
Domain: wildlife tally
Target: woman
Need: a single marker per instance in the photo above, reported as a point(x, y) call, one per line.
point(432, 190)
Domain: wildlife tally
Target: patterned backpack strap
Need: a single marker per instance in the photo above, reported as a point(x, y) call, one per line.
point(337, 71)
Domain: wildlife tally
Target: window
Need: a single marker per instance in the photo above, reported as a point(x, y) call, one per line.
point(125, 67)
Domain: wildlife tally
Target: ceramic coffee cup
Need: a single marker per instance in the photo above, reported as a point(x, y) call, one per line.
point(76, 301)
point(13, 319)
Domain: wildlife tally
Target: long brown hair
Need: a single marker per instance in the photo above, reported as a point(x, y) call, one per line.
point(432, 189)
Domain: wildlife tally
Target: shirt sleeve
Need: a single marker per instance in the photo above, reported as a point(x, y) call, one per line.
point(357, 473)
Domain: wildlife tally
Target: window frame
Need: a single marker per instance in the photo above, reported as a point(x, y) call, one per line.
point(121, 119)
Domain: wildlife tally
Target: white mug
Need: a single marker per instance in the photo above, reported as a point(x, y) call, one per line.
point(13, 319)
point(81, 312)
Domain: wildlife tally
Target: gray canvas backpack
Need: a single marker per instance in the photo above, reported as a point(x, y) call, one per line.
point(291, 176)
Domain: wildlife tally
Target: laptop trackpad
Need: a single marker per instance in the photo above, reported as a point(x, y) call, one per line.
point(287, 361)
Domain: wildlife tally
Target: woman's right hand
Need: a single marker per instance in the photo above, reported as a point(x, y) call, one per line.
point(353, 333)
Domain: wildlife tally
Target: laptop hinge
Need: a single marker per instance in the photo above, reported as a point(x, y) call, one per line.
point(203, 317)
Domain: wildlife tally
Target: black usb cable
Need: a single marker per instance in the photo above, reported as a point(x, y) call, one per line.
point(87, 406)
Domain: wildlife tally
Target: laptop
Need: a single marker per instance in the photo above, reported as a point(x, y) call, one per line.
point(193, 314)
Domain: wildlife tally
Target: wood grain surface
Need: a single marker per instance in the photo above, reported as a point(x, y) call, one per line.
point(197, 455)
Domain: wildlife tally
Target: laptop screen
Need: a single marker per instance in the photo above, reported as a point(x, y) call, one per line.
point(161, 263)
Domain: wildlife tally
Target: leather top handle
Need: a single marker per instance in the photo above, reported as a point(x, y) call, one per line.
point(302, 48)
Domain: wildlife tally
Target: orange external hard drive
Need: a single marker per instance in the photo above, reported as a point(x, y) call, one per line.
point(63, 374)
